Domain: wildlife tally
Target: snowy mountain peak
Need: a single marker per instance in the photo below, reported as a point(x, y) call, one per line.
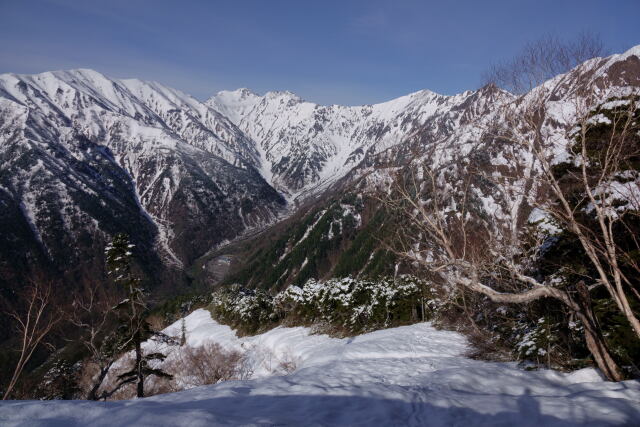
point(634, 51)
point(240, 93)
point(282, 94)
point(233, 104)
point(95, 155)
point(99, 150)
point(305, 147)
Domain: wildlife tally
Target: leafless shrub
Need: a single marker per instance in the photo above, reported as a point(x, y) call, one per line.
point(207, 364)
point(277, 363)
point(245, 369)
point(189, 366)
point(93, 318)
point(288, 362)
point(486, 346)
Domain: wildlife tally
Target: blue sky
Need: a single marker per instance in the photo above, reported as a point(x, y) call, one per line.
point(346, 52)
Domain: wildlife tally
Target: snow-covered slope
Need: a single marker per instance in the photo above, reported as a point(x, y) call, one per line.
point(410, 376)
point(89, 99)
point(447, 135)
point(306, 146)
point(85, 156)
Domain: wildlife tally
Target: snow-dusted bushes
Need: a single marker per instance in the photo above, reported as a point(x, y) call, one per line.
point(537, 342)
point(354, 304)
point(345, 304)
point(536, 335)
point(247, 310)
point(59, 382)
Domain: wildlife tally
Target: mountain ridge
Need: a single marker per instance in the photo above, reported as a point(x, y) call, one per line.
point(192, 175)
point(449, 144)
point(182, 167)
point(328, 141)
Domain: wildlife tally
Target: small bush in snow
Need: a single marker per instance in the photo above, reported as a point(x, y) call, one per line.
point(206, 364)
point(538, 342)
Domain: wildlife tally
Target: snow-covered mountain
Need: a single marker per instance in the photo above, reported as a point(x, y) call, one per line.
point(306, 146)
point(85, 156)
point(447, 135)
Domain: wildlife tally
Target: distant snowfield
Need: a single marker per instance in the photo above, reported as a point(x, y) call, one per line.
point(412, 375)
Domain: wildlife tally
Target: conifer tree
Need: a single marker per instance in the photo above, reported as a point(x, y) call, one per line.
point(134, 329)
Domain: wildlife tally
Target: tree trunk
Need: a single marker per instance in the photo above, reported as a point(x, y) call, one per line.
point(581, 305)
point(594, 338)
point(139, 365)
point(14, 379)
point(93, 393)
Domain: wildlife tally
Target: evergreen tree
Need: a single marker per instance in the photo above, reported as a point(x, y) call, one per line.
point(59, 382)
point(134, 329)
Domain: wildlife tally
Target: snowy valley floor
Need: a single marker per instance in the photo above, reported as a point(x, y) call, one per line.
point(413, 375)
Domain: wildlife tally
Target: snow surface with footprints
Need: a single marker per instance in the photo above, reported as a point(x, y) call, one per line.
point(411, 375)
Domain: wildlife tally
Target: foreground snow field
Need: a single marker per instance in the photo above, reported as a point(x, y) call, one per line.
point(412, 375)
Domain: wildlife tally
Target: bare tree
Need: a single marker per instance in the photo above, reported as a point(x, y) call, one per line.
point(597, 194)
point(93, 315)
point(593, 199)
point(467, 251)
point(34, 318)
point(543, 59)
point(601, 176)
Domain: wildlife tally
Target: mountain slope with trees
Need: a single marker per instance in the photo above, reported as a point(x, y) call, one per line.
point(517, 211)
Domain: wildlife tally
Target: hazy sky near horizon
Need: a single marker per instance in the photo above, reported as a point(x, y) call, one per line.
point(344, 52)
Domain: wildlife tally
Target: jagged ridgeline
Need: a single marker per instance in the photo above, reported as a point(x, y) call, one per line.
point(337, 238)
point(85, 156)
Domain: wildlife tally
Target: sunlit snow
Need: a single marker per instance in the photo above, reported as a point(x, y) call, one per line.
point(412, 375)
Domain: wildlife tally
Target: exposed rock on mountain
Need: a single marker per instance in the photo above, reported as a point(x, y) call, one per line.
point(306, 147)
point(447, 135)
point(85, 156)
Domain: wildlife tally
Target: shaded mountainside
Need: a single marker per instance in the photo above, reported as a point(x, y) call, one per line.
point(253, 195)
point(85, 157)
point(492, 180)
point(335, 237)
